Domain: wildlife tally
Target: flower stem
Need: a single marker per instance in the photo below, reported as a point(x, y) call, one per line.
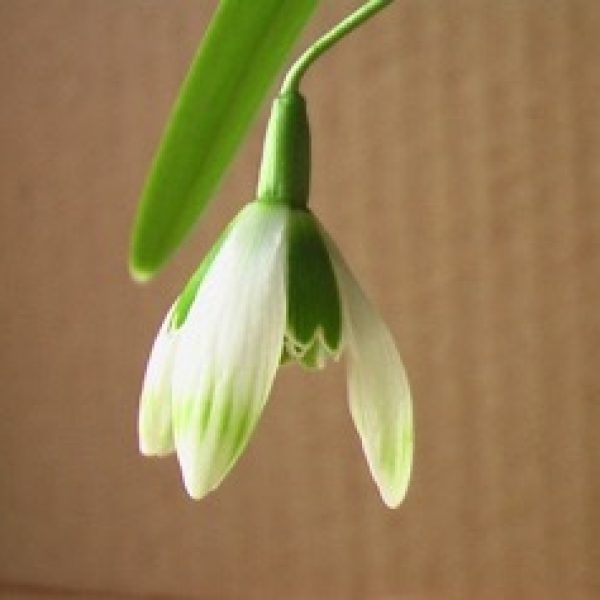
point(351, 22)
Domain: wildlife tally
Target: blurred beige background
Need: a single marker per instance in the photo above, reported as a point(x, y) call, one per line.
point(457, 163)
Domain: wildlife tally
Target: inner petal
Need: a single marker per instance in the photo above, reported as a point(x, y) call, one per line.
point(313, 305)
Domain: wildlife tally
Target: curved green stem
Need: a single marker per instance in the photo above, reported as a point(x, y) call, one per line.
point(351, 22)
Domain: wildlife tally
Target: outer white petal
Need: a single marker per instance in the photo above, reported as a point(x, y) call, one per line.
point(230, 348)
point(155, 426)
point(380, 401)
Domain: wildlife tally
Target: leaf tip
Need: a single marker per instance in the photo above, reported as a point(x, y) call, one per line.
point(138, 272)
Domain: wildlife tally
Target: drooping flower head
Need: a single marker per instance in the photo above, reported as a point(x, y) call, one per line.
point(273, 289)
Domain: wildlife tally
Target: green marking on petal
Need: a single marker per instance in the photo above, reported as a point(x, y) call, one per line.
point(394, 458)
point(242, 428)
point(407, 446)
point(182, 414)
point(234, 424)
point(225, 417)
point(388, 453)
point(314, 311)
point(156, 434)
point(206, 411)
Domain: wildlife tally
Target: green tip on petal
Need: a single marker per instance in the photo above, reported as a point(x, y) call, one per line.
point(395, 463)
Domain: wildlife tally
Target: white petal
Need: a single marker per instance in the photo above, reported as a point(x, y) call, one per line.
point(380, 401)
point(230, 349)
point(155, 426)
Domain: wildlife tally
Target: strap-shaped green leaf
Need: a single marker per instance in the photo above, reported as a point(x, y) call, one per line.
point(244, 49)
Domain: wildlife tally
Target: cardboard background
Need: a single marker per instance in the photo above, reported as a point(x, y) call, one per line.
point(457, 163)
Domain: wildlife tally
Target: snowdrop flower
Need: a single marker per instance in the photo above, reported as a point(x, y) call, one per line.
point(273, 289)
